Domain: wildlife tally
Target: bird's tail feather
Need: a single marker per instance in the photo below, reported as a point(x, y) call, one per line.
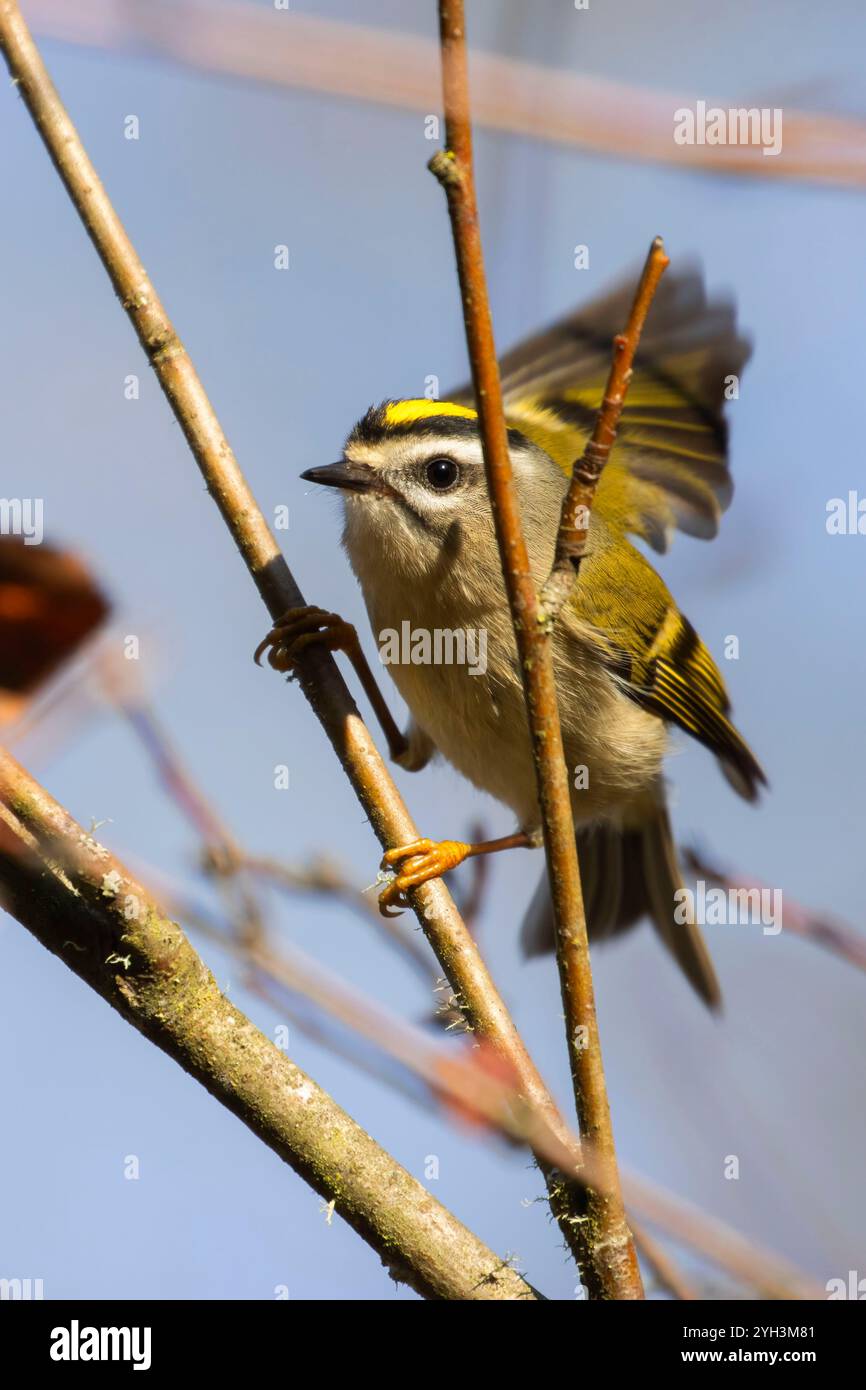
point(627, 874)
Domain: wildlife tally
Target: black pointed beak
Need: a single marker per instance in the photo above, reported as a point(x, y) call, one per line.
point(355, 477)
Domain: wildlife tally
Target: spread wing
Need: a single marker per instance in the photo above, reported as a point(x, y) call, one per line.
point(669, 466)
point(668, 469)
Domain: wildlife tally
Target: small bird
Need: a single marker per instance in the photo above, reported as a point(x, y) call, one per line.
point(629, 666)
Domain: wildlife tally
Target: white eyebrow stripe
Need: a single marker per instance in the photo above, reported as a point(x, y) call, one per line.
point(465, 451)
point(364, 453)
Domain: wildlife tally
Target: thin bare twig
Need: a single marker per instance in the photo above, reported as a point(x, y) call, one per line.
point(85, 907)
point(605, 1249)
point(319, 676)
point(322, 877)
point(221, 851)
point(223, 857)
point(571, 538)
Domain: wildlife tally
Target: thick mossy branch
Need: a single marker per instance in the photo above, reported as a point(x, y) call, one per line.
point(86, 908)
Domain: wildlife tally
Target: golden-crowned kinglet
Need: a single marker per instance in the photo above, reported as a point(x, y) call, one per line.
point(419, 536)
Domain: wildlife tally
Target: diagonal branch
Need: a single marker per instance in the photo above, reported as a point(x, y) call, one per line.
point(571, 538)
point(606, 1251)
point(319, 677)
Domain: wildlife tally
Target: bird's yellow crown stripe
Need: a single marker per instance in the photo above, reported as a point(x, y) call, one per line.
point(404, 412)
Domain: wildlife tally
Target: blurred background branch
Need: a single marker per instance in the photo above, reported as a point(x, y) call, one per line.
point(820, 928)
point(293, 49)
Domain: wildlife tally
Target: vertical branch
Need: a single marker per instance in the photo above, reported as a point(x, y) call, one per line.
point(607, 1255)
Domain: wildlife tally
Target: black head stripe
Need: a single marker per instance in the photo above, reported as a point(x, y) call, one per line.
point(374, 428)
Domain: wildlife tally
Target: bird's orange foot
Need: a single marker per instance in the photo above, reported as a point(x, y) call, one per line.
point(424, 859)
point(301, 628)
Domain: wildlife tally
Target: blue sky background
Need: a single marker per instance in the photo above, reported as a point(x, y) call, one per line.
point(223, 172)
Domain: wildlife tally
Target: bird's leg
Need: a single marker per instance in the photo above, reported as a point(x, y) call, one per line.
point(425, 859)
point(300, 628)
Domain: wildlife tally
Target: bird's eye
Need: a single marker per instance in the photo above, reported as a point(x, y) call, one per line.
point(442, 474)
